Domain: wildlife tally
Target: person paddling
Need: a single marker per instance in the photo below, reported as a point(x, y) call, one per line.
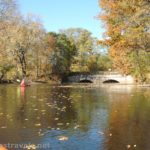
point(24, 83)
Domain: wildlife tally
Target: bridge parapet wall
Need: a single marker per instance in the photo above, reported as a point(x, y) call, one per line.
point(100, 78)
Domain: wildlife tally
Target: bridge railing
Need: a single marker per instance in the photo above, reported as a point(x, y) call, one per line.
point(108, 73)
point(96, 73)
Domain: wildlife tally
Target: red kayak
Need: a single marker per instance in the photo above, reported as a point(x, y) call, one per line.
point(23, 84)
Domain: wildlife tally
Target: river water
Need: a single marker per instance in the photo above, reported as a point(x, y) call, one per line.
point(112, 117)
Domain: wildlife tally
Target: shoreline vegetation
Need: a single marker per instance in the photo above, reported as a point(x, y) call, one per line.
point(28, 50)
point(73, 84)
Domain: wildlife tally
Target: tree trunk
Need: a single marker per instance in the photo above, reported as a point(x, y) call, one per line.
point(23, 63)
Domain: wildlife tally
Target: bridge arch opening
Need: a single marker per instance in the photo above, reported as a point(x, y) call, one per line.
point(85, 81)
point(110, 81)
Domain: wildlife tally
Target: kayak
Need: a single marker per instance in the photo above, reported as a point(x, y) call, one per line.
point(23, 84)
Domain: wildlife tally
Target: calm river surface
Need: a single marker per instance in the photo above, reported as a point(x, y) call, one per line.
point(112, 117)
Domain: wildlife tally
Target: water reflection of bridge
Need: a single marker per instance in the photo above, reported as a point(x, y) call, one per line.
point(101, 77)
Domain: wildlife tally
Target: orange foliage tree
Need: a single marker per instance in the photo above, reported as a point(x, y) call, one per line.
point(127, 34)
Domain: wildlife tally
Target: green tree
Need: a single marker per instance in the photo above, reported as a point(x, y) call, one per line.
point(62, 54)
point(86, 46)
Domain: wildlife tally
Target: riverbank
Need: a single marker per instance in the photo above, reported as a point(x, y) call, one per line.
point(73, 85)
point(67, 84)
point(90, 85)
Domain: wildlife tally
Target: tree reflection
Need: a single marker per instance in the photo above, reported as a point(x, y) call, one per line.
point(129, 122)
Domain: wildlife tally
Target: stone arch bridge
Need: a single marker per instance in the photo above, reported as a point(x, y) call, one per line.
point(101, 77)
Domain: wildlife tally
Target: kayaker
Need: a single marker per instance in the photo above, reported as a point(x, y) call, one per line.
point(24, 83)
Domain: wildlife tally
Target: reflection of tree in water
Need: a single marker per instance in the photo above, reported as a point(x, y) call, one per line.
point(54, 107)
point(62, 107)
point(8, 104)
point(73, 106)
point(42, 105)
point(129, 123)
point(22, 107)
point(86, 103)
point(83, 106)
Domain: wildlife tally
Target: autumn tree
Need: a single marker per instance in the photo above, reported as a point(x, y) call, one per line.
point(24, 41)
point(8, 11)
point(49, 46)
point(21, 40)
point(127, 34)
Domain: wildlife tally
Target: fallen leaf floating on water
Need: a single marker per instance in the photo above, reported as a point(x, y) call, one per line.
point(8, 116)
point(102, 133)
point(38, 125)
point(134, 145)
point(41, 134)
point(41, 100)
point(3, 127)
point(43, 110)
point(64, 108)
point(77, 126)
point(63, 138)
point(128, 146)
point(60, 124)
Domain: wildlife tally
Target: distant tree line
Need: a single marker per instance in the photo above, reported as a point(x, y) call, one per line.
point(27, 50)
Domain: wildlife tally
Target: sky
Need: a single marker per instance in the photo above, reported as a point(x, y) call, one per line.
point(63, 14)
